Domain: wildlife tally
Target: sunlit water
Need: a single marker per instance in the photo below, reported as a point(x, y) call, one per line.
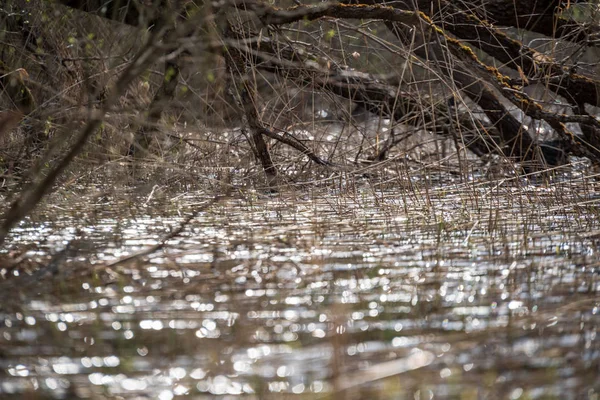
point(415, 290)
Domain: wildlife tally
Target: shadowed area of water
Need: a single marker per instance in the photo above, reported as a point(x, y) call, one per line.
point(414, 289)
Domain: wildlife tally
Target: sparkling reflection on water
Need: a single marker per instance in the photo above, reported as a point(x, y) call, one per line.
point(453, 290)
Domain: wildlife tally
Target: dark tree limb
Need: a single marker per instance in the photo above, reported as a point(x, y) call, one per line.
point(156, 16)
point(529, 106)
point(466, 22)
point(243, 92)
point(514, 54)
point(367, 92)
point(459, 18)
point(540, 16)
point(512, 131)
point(32, 195)
point(461, 22)
point(519, 142)
point(290, 140)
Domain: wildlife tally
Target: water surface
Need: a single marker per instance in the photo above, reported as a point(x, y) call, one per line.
point(413, 289)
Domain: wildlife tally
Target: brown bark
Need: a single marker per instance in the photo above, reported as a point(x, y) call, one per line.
point(468, 21)
point(540, 16)
point(514, 137)
point(520, 143)
point(32, 195)
point(471, 26)
point(242, 90)
point(374, 96)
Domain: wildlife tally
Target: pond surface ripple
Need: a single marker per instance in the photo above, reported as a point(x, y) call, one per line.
point(449, 291)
